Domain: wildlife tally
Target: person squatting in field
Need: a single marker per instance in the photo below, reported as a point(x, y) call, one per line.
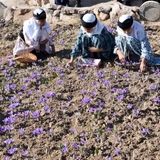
point(132, 43)
point(35, 40)
point(94, 40)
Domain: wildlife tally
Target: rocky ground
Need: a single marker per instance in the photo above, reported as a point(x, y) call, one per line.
point(50, 112)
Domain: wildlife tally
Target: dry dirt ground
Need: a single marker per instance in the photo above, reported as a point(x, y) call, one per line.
point(50, 112)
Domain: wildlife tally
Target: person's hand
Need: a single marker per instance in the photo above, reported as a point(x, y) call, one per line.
point(143, 66)
point(70, 63)
point(94, 49)
point(121, 56)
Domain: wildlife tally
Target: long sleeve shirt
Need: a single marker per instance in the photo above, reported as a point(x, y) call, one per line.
point(139, 33)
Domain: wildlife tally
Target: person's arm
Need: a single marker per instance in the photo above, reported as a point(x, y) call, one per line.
point(27, 36)
point(145, 52)
point(77, 48)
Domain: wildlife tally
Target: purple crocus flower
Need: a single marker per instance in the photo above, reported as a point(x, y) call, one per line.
point(73, 131)
point(62, 42)
point(24, 87)
point(156, 100)
point(64, 149)
point(82, 141)
point(92, 110)
point(113, 90)
point(135, 112)
point(8, 128)
point(109, 158)
point(130, 106)
point(47, 109)
point(26, 114)
point(7, 88)
point(9, 141)
point(42, 100)
point(106, 83)
point(11, 151)
point(36, 114)
point(50, 94)
point(145, 131)
point(35, 75)
point(86, 100)
point(13, 86)
point(120, 97)
point(153, 87)
point(9, 120)
point(19, 93)
point(100, 74)
point(21, 131)
point(14, 105)
point(126, 75)
point(14, 99)
point(6, 158)
point(24, 153)
point(2, 129)
point(38, 131)
point(122, 91)
point(114, 73)
point(81, 76)
point(59, 82)
point(75, 145)
point(11, 63)
point(117, 151)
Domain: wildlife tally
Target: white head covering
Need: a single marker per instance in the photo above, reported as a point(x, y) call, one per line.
point(124, 18)
point(38, 11)
point(89, 18)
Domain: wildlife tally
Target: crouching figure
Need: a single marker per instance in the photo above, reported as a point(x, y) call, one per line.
point(132, 43)
point(94, 40)
point(35, 39)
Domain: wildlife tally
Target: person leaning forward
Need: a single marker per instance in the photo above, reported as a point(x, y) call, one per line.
point(132, 43)
point(93, 41)
point(35, 40)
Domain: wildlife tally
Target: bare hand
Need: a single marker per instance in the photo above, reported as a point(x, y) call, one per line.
point(143, 66)
point(70, 63)
point(121, 56)
point(94, 49)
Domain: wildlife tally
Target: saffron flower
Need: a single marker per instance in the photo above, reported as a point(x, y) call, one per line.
point(64, 149)
point(9, 141)
point(86, 100)
point(36, 114)
point(11, 151)
point(38, 131)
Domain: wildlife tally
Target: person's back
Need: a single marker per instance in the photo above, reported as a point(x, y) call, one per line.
point(132, 43)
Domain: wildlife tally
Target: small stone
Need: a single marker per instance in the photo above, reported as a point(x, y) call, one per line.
point(96, 11)
point(23, 11)
point(103, 16)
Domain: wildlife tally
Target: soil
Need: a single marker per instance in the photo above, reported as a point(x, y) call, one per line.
point(51, 112)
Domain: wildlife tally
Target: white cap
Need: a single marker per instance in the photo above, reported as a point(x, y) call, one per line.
point(124, 18)
point(89, 18)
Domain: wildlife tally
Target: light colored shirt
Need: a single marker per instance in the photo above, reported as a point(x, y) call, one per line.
point(34, 34)
point(137, 32)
